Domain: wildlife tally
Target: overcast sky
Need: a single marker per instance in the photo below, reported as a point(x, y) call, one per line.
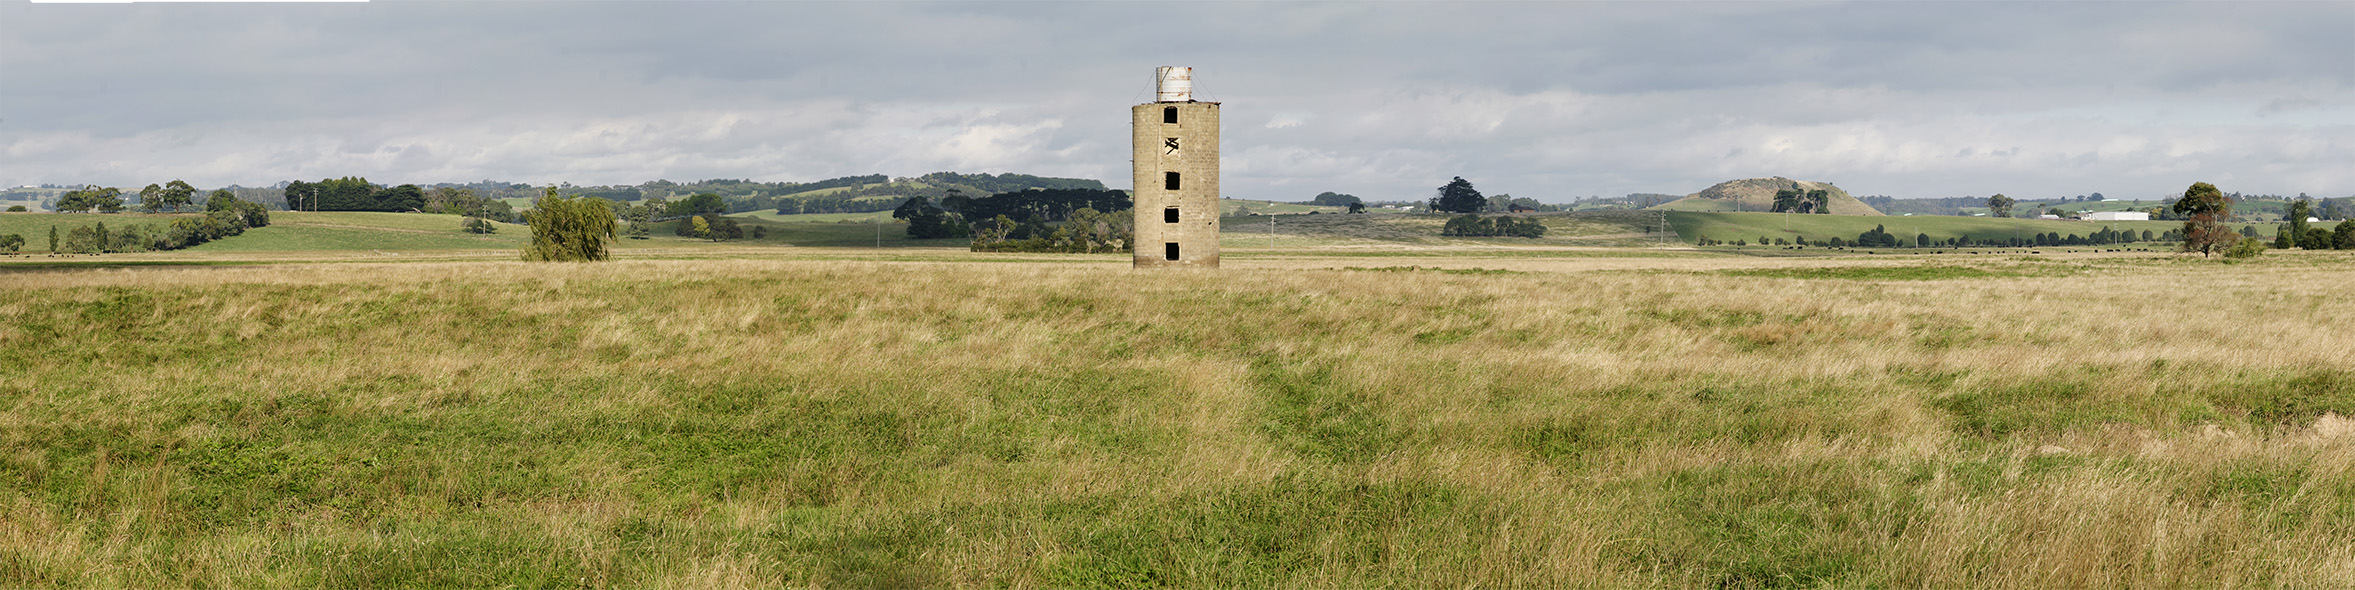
point(1387, 100)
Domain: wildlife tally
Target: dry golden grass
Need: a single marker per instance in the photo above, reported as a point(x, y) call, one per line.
point(1562, 418)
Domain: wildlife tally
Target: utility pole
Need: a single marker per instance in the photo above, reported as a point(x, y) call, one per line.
point(878, 232)
point(1271, 230)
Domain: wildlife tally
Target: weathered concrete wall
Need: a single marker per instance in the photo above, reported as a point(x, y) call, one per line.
point(1195, 160)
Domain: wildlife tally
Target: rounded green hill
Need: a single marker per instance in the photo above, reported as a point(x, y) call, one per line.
point(1757, 194)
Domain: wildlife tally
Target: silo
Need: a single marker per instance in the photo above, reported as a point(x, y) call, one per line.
point(1173, 84)
point(1174, 143)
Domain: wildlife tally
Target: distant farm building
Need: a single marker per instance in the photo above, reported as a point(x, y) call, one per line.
point(2118, 216)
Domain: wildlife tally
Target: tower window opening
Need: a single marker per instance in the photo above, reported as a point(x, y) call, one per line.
point(1169, 251)
point(1169, 215)
point(1169, 114)
point(1169, 181)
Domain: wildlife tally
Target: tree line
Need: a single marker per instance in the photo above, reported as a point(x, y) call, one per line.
point(1077, 220)
point(225, 215)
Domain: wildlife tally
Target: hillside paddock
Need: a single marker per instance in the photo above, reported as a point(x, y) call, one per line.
point(1385, 418)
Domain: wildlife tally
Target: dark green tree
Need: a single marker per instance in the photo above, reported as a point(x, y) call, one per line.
point(1458, 196)
point(1999, 206)
point(2299, 210)
point(1357, 207)
point(177, 194)
point(221, 200)
point(407, 197)
point(302, 196)
point(2205, 210)
point(152, 198)
point(350, 193)
point(1787, 200)
point(2317, 238)
point(700, 204)
point(254, 214)
point(927, 222)
point(1333, 199)
point(103, 199)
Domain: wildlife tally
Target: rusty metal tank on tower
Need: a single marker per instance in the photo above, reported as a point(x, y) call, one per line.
point(1173, 84)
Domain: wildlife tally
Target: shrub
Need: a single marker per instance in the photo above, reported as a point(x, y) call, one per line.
point(11, 243)
point(477, 225)
point(2247, 248)
point(2317, 238)
point(1500, 226)
point(1085, 231)
point(254, 214)
point(569, 229)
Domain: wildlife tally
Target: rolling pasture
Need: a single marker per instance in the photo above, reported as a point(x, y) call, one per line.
point(1751, 226)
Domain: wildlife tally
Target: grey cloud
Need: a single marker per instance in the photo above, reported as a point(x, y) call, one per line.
point(1551, 100)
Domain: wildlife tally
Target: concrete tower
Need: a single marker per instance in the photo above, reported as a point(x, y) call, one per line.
point(1176, 168)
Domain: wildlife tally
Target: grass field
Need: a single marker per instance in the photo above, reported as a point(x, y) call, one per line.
point(1575, 418)
point(1234, 206)
point(352, 230)
point(1325, 230)
point(1751, 226)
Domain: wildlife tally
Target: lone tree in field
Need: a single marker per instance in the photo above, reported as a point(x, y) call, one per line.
point(2299, 210)
point(1999, 206)
point(1459, 197)
point(569, 229)
point(2205, 210)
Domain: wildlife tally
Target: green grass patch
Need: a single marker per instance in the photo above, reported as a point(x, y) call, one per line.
point(1311, 413)
point(1730, 226)
point(1872, 273)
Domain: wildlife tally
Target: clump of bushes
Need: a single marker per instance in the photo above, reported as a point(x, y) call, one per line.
point(2246, 248)
point(712, 227)
point(181, 233)
point(1499, 226)
point(1086, 231)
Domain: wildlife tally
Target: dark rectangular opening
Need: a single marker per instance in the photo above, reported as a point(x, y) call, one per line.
point(1169, 114)
point(1169, 251)
point(1169, 215)
point(1169, 180)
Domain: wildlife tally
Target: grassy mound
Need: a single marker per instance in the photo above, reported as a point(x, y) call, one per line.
point(739, 423)
point(1757, 194)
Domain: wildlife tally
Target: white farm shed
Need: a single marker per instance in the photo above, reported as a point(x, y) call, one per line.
point(2118, 216)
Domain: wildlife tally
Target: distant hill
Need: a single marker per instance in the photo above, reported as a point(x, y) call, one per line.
point(1757, 194)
